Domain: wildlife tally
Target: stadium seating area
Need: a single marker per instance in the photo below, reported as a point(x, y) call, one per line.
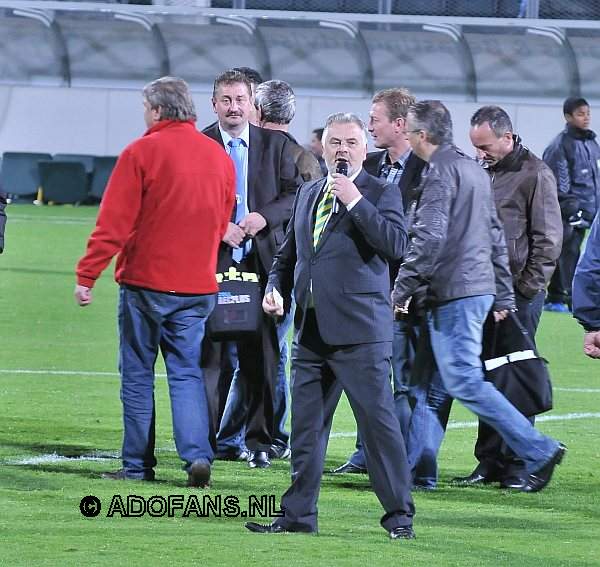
point(551, 9)
point(62, 178)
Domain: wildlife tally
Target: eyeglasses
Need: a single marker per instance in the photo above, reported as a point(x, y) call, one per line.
point(414, 131)
point(350, 144)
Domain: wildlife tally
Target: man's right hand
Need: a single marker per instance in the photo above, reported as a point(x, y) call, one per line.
point(591, 344)
point(83, 295)
point(270, 306)
point(234, 235)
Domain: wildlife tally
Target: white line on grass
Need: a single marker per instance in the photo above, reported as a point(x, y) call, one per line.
point(56, 458)
point(66, 372)
point(100, 373)
point(472, 424)
point(53, 220)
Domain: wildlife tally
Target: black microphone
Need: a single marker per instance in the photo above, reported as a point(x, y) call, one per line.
point(341, 166)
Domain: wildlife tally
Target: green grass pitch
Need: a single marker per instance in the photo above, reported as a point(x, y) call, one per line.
point(49, 406)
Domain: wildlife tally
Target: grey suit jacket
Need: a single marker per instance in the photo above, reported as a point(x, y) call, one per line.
point(348, 272)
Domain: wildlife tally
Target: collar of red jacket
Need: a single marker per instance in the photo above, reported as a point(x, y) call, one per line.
point(166, 124)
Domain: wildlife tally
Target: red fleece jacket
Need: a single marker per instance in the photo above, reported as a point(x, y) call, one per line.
point(164, 211)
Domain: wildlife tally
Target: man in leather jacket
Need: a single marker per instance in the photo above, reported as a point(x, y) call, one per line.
point(525, 195)
point(457, 247)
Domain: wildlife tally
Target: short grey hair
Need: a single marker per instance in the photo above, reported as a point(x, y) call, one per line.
point(172, 95)
point(345, 118)
point(277, 101)
point(434, 119)
point(496, 117)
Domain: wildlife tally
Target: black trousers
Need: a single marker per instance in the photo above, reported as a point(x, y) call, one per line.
point(496, 460)
point(320, 373)
point(258, 361)
point(559, 290)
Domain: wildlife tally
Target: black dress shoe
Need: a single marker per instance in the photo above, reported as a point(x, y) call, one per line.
point(402, 532)
point(259, 460)
point(265, 528)
point(512, 483)
point(474, 479)
point(121, 474)
point(232, 455)
point(199, 474)
point(539, 479)
point(349, 468)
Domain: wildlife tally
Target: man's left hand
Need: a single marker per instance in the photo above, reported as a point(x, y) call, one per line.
point(500, 315)
point(591, 344)
point(344, 189)
point(252, 223)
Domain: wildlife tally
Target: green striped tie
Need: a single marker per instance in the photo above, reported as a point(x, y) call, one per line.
point(323, 212)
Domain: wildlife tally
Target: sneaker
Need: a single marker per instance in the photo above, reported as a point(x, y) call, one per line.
point(557, 307)
point(279, 452)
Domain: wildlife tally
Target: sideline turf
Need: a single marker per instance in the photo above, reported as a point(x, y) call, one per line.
point(71, 415)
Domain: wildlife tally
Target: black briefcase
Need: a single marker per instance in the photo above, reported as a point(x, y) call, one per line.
point(238, 310)
point(513, 364)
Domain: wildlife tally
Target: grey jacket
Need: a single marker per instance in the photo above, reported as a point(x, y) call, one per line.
point(456, 246)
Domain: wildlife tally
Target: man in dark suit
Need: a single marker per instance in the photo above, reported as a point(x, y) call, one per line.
point(266, 179)
point(397, 164)
point(343, 232)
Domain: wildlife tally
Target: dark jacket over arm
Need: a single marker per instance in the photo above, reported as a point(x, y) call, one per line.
point(586, 283)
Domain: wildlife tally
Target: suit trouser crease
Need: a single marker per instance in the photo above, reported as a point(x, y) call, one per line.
point(319, 374)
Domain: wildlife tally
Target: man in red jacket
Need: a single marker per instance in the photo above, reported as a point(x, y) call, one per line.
point(164, 212)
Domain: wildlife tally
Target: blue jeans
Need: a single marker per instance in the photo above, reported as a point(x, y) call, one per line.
point(149, 320)
point(427, 428)
point(456, 329)
point(232, 430)
point(422, 404)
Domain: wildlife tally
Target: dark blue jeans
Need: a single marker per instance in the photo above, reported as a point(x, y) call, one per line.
point(149, 321)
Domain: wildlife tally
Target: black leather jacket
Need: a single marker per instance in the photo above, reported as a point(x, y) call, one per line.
point(457, 246)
